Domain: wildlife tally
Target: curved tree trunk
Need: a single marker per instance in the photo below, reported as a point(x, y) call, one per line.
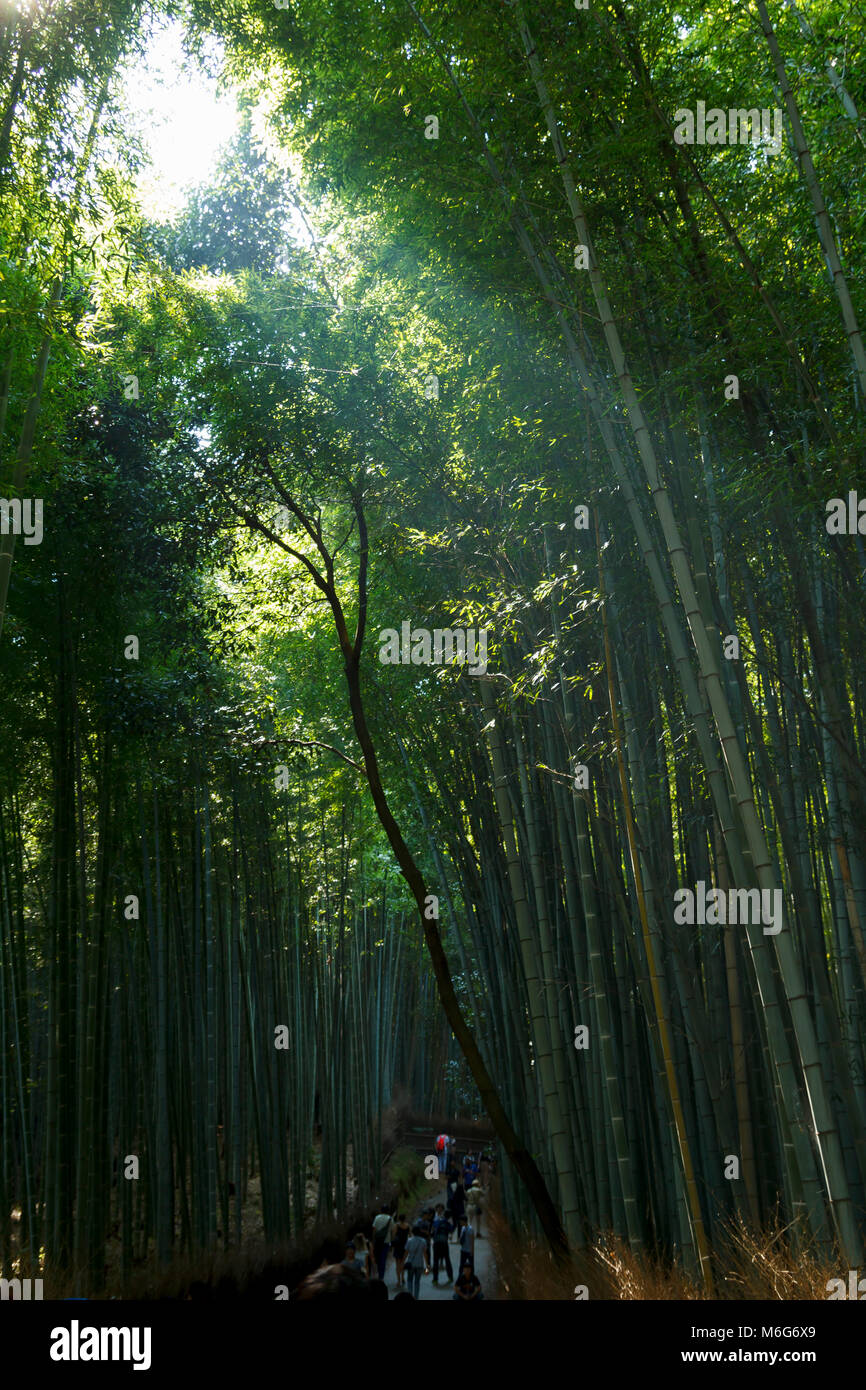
point(523, 1161)
point(351, 648)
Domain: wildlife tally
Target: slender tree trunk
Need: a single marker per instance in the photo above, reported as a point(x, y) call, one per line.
point(822, 1115)
point(810, 178)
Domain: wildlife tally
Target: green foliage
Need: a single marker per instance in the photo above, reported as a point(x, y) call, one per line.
point(405, 1171)
point(281, 362)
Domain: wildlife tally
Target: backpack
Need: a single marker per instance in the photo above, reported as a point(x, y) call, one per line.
point(441, 1142)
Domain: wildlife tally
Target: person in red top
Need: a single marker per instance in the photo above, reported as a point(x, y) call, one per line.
point(442, 1143)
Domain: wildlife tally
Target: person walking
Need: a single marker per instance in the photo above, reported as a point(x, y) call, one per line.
point(442, 1142)
point(441, 1253)
point(382, 1237)
point(452, 1177)
point(417, 1260)
point(475, 1198)
point(457, 1207)
point(402, 1232)
point(467, 1245)
point(365, 1255)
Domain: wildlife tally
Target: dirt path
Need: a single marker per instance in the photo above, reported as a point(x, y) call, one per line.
point(484, 1265)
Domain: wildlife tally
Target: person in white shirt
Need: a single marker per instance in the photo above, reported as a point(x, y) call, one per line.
point(382, 1237)
point(475, 1199)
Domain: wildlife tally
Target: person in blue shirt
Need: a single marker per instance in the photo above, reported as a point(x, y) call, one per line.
point(417, 1260)
point(441, 1253)
point(351, 1260)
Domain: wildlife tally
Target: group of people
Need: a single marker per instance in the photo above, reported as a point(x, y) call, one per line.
point(467, 1193)
point(437, 1228)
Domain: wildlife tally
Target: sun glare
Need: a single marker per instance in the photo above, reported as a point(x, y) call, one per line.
point(183, 120)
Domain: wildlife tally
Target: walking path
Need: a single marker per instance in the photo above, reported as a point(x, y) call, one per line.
point(484, 1265)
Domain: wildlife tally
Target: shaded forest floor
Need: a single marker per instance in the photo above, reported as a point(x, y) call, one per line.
point(239, 1267)
point(253, 1264)
point(747, 1265)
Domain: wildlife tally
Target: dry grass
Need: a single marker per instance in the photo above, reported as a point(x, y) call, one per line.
point(747, 1265)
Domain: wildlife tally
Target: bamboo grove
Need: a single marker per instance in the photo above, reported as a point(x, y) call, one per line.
point(648, 384)
point(219, 933)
